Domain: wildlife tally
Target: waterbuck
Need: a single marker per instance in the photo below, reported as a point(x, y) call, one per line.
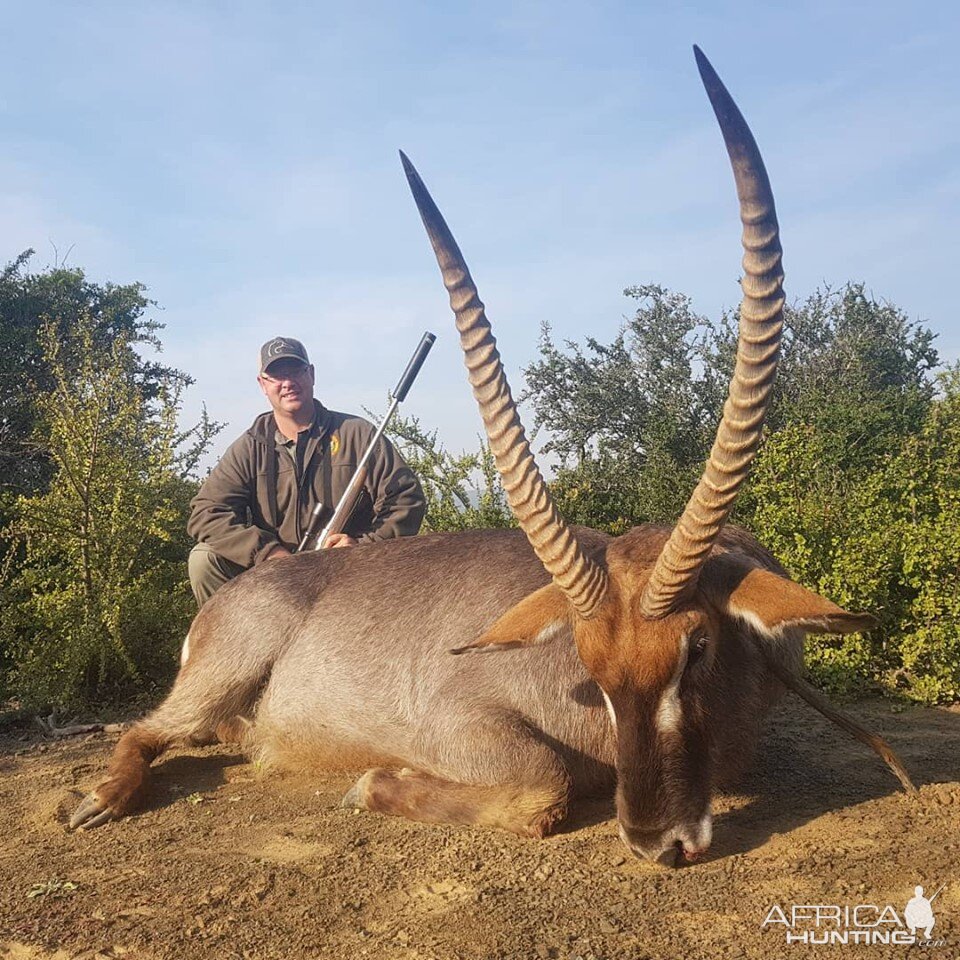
point(641, 664)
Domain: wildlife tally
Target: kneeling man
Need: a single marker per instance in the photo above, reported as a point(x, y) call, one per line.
point(257, 501)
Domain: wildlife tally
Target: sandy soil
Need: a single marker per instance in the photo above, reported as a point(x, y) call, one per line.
point(227, 864)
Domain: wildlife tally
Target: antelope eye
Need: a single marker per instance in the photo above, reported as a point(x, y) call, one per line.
point(698, 646)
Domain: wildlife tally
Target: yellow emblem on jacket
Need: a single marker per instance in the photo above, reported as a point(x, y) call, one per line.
point(334, 444)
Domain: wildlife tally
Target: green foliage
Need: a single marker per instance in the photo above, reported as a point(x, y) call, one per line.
point(97, 589)
point(929, 647)
point(886, 540)
point(856, 367)
point(52, 888)
point(848, 491)
point(855, 488)
point(632, 421)
point(462, 492)
point(58, 296)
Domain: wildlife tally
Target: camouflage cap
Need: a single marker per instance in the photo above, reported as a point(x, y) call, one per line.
point(282, 348)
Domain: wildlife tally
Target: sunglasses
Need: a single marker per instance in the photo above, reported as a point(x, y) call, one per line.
point(293, 371)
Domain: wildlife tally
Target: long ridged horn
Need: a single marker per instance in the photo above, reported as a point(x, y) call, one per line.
point(582, 580)
point(758, 350)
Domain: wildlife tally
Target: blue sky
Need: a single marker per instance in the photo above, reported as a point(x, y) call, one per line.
point(240, 159)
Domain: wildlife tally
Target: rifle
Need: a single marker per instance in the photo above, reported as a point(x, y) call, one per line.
point(347, 502)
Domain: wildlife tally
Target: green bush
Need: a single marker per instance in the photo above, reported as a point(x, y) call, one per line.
point(887, 541)
point(95, 569)
point(462, 492)
point(58, 296)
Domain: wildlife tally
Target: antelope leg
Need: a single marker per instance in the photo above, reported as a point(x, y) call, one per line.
point(530, 810)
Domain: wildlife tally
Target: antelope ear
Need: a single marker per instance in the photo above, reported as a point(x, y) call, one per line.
point(535, 619)
point(771, 604)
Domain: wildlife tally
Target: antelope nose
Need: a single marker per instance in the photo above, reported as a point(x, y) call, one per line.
point(671, 856)
point(648, 845)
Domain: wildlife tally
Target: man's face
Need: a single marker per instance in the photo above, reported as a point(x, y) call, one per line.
point(288, 385)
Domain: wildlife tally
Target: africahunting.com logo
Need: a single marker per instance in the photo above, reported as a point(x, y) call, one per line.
point(862, 923)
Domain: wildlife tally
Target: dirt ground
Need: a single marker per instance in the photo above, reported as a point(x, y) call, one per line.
point(228, 864)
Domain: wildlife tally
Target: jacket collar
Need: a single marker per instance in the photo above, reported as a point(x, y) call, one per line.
point(263, 429)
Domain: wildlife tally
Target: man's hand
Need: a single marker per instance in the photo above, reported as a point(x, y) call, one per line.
point(278, 553)
point(339, 540)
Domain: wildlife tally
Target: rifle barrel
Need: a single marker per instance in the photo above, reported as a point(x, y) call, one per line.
point(346, 504)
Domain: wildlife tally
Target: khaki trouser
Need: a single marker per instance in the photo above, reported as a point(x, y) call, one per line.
point(209, 572)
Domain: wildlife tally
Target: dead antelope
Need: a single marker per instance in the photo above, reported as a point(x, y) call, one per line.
point(641, 664)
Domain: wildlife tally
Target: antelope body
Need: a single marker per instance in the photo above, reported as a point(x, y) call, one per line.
point(641, 664)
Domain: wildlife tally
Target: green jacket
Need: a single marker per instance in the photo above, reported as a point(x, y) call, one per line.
point(263, 490)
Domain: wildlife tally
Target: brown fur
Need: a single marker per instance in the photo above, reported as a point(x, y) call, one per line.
point(128, 775)
point(531, 811)
point(778, 602)
point(524, 622)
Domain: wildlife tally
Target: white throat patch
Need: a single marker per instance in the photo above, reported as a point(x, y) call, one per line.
point(669, 710)
point(606, 700)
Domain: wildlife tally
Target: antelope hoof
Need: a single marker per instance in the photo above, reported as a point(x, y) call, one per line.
point(92, 812)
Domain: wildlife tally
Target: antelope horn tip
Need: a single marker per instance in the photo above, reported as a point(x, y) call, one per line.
point(702, 62)
point(413, 178)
